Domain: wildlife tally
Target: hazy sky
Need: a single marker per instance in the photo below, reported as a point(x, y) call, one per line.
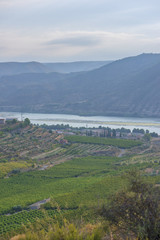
point(73, 30)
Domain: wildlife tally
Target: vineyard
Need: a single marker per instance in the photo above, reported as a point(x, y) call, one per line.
point(121, 143)
point(12, 222)
point(80, 174)
point(78, 185)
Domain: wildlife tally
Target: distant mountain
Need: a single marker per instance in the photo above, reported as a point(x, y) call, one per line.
point(12, 68)
point(75, 66)
point(127, 87)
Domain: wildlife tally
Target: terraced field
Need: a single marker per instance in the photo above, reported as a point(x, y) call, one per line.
point(149, 155)
point(19, 147)
point(29, 148)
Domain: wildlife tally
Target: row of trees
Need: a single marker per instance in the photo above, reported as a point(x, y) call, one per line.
point(106, 131)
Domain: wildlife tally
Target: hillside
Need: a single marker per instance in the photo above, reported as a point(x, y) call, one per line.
point(127, 87)
point(70, 176)
point(75, 66)
point(11, 68)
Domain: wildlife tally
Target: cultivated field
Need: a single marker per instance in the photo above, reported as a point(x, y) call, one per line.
point(77, 173)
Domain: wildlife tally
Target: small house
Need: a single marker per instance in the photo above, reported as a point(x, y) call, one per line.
point(2, 121)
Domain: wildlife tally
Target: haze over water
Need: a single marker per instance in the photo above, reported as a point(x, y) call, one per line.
point(152, 124)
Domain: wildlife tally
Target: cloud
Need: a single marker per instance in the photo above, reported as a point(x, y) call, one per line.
point(64, 30)
point(76, 39)
point(17, 3)
point(73, 46)
point(71, 15)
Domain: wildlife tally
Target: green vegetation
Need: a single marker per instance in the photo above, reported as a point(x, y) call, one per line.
point(122, 143)
point(49, 230)
point(62, 182)
point(77, 173)
point(15, 221)
point(77, 186)
point(26, 147)
point(137, 209)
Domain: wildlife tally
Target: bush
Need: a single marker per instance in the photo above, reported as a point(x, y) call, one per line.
point(66, 231)
point(136, 210)
point(17, 208)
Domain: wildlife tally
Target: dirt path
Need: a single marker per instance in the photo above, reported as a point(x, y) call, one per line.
point(122, 152)
point(59, 160)
point(43, 155)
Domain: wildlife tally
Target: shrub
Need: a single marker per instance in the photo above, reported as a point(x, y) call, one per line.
point(136, 210)
point(66, 231)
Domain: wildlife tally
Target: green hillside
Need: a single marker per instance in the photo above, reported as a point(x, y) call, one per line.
point(69, 173)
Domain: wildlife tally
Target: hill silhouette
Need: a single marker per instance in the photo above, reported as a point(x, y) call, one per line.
point(12, 68)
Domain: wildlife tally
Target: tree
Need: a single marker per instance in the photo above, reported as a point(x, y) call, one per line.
point(153, 134)
point(26, 121)
point(137, 130)
point(147, 137)
point(17, 208)
point(114, 132)
point(136, 210)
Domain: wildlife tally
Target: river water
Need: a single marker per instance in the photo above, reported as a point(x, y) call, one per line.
point(152, 124)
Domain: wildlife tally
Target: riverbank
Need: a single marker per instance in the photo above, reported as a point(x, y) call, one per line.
point(152, 124)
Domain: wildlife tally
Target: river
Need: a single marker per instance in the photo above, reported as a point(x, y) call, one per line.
point(152, 124)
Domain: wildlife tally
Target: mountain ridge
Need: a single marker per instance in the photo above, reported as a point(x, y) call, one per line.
point(126, 87)
point(12, 68)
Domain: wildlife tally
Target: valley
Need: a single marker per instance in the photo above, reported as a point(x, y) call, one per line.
point(79, 120)
point(77, 173)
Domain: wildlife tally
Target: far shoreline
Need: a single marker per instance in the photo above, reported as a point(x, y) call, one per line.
point(151, 124)
point(85, 114)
